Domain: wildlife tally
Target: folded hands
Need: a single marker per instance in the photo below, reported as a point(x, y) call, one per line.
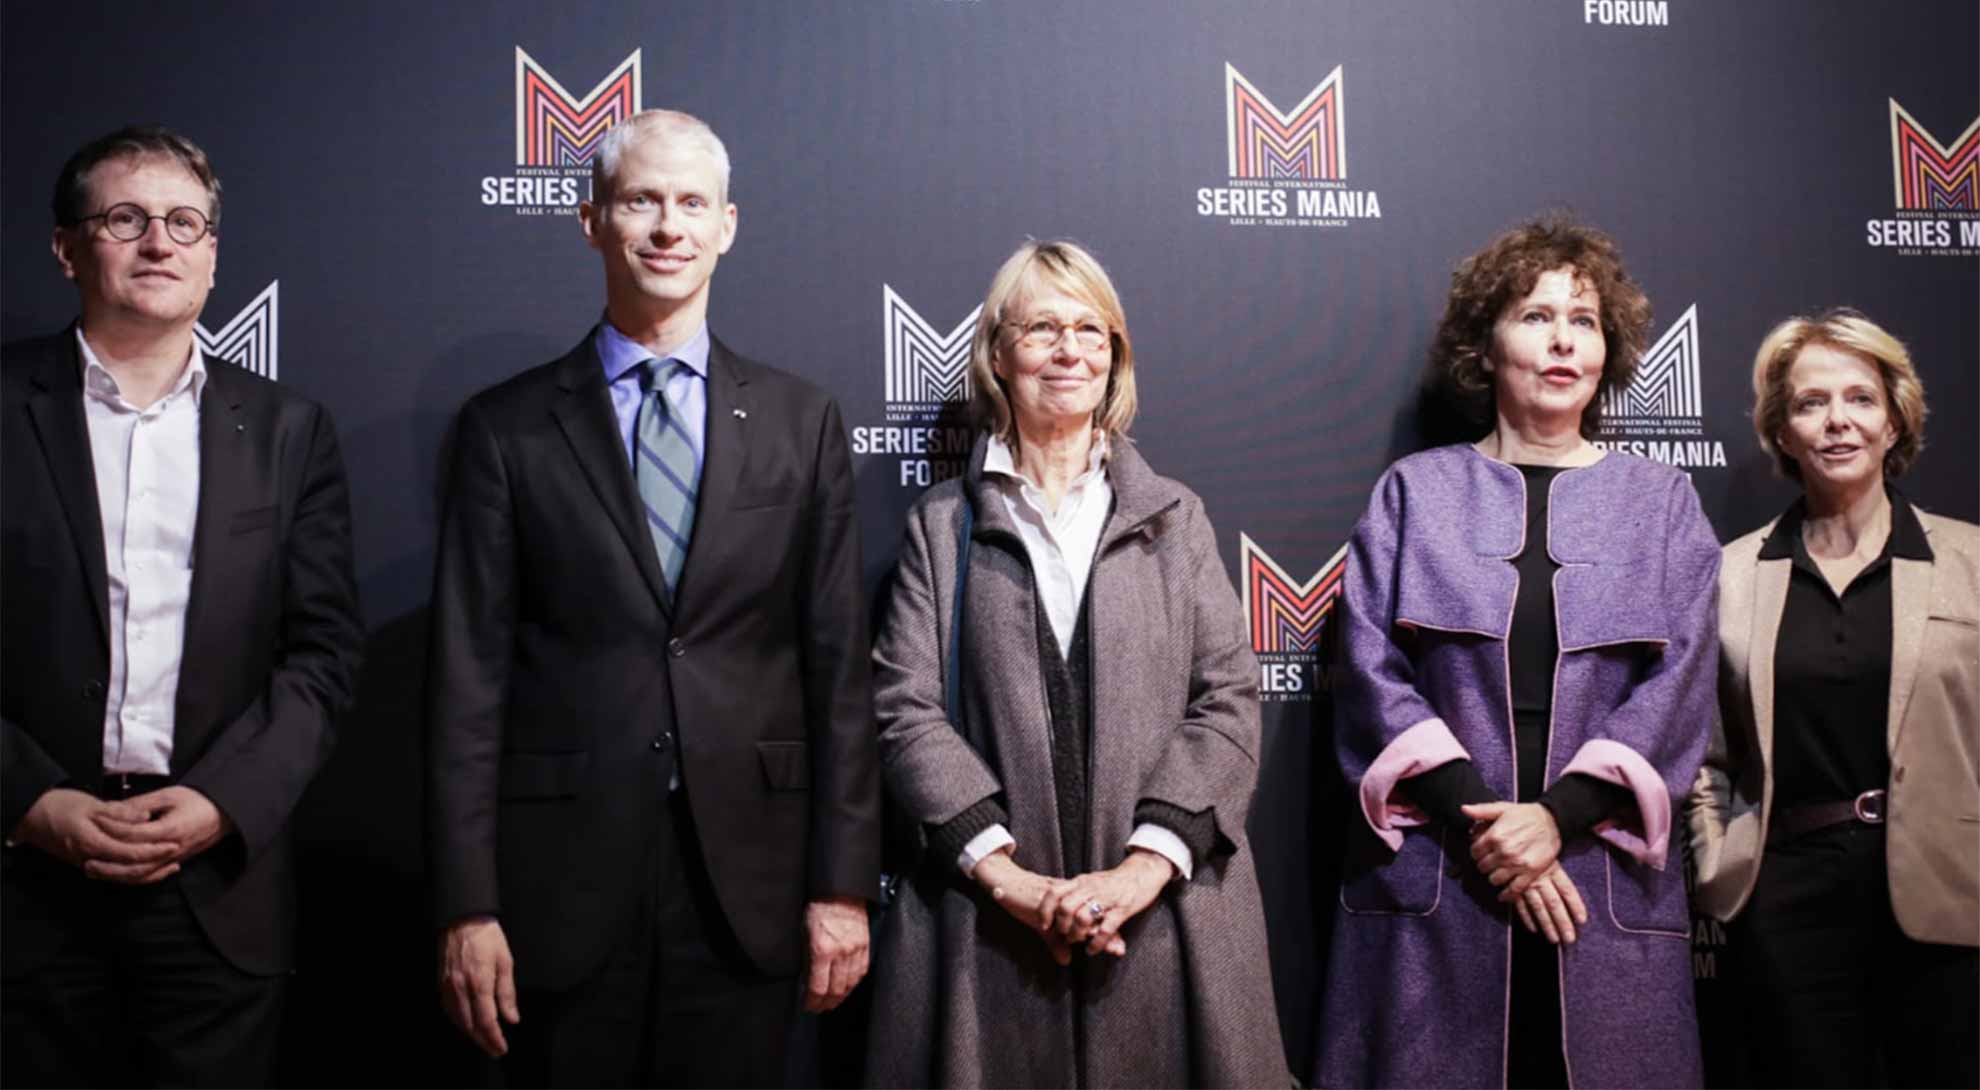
point(1517, 846)
point(1086, 911)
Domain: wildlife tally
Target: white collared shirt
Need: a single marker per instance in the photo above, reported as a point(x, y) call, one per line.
point(147, 491)
point(1061, 545)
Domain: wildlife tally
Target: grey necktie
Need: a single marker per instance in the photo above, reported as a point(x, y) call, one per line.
point(668, 469)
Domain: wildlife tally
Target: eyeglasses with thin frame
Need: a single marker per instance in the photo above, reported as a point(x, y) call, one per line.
point(128, 222)
point(1089, 335)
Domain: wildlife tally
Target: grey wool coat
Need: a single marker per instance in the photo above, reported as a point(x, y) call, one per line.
point(964, 995)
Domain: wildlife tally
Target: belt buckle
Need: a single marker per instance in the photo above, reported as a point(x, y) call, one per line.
point(1869, 807)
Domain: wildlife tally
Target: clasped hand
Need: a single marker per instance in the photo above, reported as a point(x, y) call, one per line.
point(1518, 846)
point(1061, 909)
point(135, 841)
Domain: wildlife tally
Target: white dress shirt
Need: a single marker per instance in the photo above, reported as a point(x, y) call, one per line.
point(1061, 544)
point(147, 490)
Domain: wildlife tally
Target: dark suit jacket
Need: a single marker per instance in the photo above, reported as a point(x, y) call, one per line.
point(272, 641)
point(562, 679)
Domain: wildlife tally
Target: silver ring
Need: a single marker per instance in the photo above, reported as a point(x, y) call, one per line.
point(1096, 910)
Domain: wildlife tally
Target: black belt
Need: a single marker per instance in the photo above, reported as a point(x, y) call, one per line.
point(1867, 808)
point(124, 785)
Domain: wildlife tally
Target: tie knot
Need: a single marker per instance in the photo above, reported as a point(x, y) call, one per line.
point(656, 374)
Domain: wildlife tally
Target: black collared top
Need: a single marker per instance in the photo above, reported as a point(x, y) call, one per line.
point(1832, 666)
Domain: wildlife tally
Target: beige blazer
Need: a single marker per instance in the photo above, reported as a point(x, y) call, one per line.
point(1933, 836)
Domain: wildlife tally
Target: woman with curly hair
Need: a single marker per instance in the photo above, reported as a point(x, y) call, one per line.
point(1529, 635)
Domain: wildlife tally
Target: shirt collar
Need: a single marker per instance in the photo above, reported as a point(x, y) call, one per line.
point(620, 353)
point(998, 458)
point(1906, 540)
point(99, 383)
point(1907, 532)
point(1787, 530)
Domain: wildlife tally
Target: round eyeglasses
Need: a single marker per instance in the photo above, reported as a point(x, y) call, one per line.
point(128, 223)
point(1089, 335)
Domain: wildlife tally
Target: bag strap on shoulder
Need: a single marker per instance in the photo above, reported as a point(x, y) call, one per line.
point(952, 671)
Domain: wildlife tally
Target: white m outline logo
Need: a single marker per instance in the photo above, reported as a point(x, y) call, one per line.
point(249, 338)
point(922, 365)
point(1666, 382)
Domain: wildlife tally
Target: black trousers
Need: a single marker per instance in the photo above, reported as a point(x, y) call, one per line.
point(677, 1003)
point(1536, 1057)
point(140, 998)
point(1836, 993)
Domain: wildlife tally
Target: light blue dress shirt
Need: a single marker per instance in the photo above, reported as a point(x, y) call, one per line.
point(688, 390)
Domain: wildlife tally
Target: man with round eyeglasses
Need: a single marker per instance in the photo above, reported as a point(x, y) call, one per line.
point(181, 631)
point(129, 222)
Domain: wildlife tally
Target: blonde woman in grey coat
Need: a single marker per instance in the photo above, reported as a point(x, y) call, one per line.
point(1078, 750)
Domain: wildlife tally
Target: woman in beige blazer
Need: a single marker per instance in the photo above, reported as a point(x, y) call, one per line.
point(1837, 815)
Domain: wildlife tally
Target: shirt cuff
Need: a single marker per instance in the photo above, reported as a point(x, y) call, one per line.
point(984, 845)
point(1164, 843)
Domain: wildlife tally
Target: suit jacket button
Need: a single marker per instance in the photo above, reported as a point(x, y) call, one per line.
point(676, 648)
point(92, 690)
point(1898, 776)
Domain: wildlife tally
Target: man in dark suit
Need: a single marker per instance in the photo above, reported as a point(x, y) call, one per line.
point(653, 778)
point(181, 631)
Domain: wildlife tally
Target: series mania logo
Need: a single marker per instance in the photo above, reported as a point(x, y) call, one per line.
point(248, 338)
point(1287, 168)
point(1285, 618)
point(1660, 415)
point(557, 133)
point(927, 394)
point(1935, 188)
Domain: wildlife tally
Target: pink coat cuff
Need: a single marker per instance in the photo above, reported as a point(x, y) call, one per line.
point(1415, 751)
point(1648, 842)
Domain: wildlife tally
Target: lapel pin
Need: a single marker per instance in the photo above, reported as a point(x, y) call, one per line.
point(240, 427)
point(740, 414)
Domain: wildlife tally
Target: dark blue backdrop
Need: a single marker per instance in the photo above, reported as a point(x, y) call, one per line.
point(1740, 152)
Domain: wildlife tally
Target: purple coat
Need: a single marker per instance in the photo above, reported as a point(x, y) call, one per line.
point(1418, 983)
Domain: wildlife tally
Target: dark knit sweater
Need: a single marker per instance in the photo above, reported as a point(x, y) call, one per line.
point(1068, 681)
